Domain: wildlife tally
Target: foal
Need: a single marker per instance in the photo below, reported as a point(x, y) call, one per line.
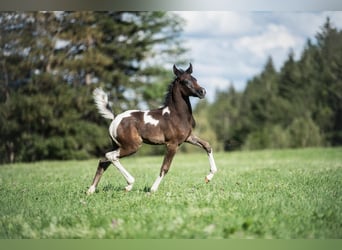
point(170, 125)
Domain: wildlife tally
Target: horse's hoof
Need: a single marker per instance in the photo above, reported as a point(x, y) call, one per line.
point(91, 190)
point(207, 180)
point(128, 188)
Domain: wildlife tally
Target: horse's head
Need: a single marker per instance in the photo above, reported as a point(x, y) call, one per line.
point(188, 83)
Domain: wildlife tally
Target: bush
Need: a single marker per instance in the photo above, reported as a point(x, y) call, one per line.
point(303, 132)
point(269, 137)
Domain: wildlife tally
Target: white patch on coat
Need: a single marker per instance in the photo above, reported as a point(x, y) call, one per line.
point(166, 110)
point(116, 122)
point(150, 119)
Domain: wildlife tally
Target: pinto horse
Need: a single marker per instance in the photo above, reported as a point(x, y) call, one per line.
point(171, 125)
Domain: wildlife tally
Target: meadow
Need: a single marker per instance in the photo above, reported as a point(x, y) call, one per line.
point(259, 194)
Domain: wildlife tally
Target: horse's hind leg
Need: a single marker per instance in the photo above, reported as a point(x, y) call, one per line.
point(113, 156)
point(103, 165)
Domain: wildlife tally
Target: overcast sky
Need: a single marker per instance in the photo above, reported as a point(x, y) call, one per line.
point(231, 47)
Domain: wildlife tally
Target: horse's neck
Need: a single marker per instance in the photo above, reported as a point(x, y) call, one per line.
point(181, 105)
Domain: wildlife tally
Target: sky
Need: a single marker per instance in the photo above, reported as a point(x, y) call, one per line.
point(231, 47)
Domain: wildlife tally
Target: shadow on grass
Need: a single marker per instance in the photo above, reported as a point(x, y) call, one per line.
point(111, 188)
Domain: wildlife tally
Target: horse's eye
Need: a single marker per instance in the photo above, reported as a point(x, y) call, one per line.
point(186, 82)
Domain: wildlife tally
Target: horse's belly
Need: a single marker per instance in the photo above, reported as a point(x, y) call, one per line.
point(153, 138)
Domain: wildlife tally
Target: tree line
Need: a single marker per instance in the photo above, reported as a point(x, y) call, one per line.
point(298, 106)
point(51, 61)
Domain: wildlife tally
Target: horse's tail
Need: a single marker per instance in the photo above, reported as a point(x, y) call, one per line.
point(102, 103)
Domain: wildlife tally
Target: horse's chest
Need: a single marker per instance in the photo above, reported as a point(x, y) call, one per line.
point(179, 129)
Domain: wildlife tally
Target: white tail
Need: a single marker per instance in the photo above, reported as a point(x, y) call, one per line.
point(101, 101)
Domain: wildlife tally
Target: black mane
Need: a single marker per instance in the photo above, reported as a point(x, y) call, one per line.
point(168, 95)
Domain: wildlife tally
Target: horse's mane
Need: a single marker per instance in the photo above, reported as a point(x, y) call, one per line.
point(168, 95)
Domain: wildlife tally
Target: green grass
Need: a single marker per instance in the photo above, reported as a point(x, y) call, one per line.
point(261, 194)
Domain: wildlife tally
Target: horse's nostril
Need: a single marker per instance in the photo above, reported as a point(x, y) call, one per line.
point(202, 92)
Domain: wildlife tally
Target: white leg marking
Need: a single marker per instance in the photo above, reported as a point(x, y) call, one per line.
point(113, 157)
point(129, 178)
point(156, 183)
point(213, 168)
point(166, 110)
point(150, 119)
point(129, 187)
point(91, 190)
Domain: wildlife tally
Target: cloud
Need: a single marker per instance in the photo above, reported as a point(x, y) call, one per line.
point(216, 23)
point(275, 41)
point(231, 47)
point(336, 17)
point(273, 38)
point(306, 24)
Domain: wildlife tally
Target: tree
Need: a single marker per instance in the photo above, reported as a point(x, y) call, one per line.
point(299, 106)
point(329, 112)
point(51, 61)
point(224, 117)
point(259, 99)
point(304, 133)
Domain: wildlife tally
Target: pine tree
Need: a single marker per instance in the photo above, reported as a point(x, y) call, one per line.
point(329, 112)
point(260, 96)
point(51, 61)
point(225, 118)
point(303, 100)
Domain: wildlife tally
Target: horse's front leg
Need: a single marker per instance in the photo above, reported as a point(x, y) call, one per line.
point(170, 153)
point(194, 140)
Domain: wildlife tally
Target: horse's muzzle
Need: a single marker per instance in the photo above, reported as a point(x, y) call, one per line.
point(201, 93)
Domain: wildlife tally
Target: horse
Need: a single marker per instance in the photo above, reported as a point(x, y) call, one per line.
point(171, 125)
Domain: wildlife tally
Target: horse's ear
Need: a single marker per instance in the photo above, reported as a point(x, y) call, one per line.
point(189, 70)
point(176, 71)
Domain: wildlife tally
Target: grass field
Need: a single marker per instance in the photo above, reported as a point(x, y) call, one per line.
point(261, 194)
